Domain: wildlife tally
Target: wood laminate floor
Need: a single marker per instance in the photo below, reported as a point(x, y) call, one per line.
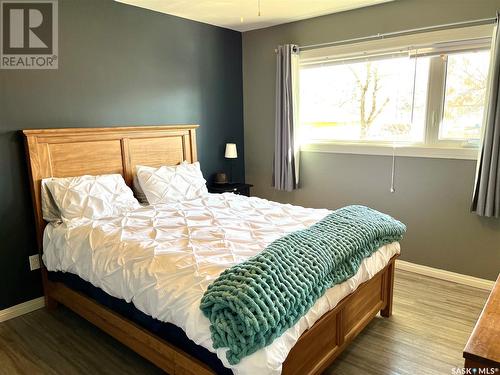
point(430, 325)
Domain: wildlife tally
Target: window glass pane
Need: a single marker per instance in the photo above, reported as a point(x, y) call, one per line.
point(466, 78)
point(364, 100)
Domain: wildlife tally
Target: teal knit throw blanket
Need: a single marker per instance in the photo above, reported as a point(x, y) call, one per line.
point(251, 304)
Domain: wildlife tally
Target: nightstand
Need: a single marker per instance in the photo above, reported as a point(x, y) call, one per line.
point(236, 188)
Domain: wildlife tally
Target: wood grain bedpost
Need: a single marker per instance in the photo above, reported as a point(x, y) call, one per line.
point(389, 290)
point(34, 168)
point(50, 303)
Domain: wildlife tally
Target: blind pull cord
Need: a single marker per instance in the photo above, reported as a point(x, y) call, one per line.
point(393, 190)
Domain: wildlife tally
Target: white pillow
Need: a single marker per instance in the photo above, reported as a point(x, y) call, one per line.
point(172, 184)
point(91, 197)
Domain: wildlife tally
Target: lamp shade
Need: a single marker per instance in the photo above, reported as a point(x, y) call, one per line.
point(231, 152)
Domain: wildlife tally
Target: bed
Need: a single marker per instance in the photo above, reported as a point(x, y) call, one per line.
point(73, 152)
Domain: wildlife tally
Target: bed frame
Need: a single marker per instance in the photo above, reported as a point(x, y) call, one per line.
point(79, 151)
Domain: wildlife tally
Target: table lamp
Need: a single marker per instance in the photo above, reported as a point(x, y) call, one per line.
point(231, 153)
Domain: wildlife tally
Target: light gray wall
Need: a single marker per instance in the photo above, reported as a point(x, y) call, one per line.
point(432, 196)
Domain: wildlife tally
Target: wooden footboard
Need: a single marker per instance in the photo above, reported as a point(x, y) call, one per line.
point(318, 347)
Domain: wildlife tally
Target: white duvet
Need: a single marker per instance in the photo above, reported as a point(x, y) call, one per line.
point(162, 259)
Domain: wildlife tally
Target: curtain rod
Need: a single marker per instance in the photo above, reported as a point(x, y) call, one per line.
point(483, 21)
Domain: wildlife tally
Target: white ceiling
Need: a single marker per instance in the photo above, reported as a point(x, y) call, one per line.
point(243, 15)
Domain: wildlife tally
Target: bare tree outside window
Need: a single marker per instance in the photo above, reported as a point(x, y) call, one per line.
point(368, 92)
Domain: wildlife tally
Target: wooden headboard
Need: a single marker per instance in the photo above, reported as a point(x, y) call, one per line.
point(74, 152)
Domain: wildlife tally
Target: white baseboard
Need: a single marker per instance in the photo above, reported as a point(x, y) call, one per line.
point(445, 275)
point(22, 308)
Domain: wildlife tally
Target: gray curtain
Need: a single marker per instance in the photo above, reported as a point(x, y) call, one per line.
point(486, 199)
point(285, 165)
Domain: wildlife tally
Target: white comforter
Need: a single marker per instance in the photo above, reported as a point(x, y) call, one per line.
point(162, 259)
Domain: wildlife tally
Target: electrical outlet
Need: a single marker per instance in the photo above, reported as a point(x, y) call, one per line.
point(34, 262)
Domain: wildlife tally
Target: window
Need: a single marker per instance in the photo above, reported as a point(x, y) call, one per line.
point(365, 100)
point(429, 96)
point(466, 76)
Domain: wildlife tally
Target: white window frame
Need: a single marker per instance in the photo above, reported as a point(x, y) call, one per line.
point(479, 37)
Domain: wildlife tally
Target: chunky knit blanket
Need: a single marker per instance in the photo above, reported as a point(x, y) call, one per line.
point(251, 304)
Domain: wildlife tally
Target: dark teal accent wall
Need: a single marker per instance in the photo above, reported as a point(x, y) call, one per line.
point(119, 65)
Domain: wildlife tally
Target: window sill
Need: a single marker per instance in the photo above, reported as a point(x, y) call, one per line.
point(387, 150)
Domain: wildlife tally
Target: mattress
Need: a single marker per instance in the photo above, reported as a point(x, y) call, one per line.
point(162, 258)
